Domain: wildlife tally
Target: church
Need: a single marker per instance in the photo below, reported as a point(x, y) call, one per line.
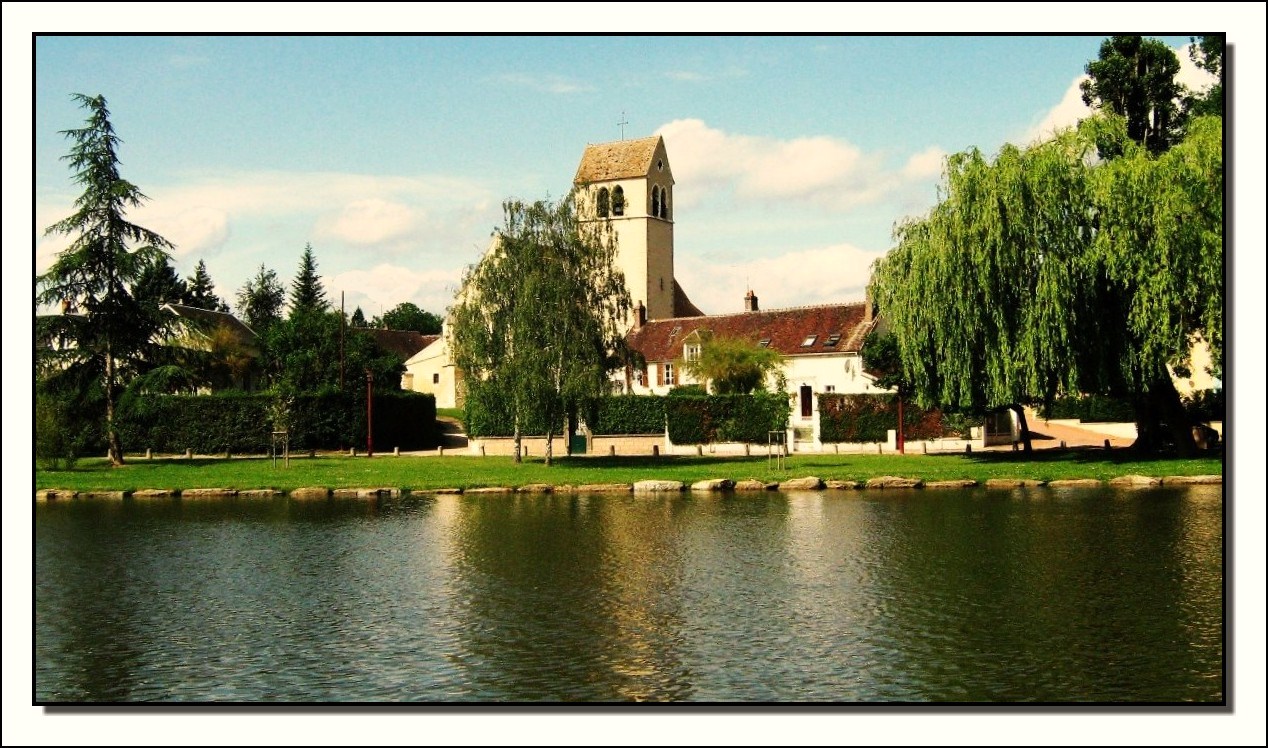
point(630, 185)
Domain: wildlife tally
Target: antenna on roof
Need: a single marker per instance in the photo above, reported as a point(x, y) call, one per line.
point(622, 124)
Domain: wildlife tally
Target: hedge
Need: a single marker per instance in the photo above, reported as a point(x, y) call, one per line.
point(627, 414)
point(870, 418)
point(487, 413)
point(243, 423)
point(1092, 409)
point(725, 418)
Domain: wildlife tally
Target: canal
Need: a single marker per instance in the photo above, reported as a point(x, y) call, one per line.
point(1030, 595)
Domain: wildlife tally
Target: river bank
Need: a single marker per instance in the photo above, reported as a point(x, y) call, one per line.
point(173, 476)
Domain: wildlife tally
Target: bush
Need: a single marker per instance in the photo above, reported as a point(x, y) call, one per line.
point(487, 413)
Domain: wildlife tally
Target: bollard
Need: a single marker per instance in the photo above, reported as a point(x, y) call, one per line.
point(924, 448)
point(440, 451)
point(482, 450)
point(1014, 446)
point(149, 455)
point(1107, 446)
point(396, 451)
point(228, 455)
point(655, 450)
point(746, 449)
point(968, 449)
point(878, 447)
point(699, 451)
point(611, 450)
point(189, 454)
point(1063, 443)
point(352, 452)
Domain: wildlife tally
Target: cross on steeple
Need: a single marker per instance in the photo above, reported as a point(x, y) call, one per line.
point(622, 124)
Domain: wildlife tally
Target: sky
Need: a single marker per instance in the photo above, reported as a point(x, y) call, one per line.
point(793, 157)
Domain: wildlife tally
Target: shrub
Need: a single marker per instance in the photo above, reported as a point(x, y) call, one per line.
point(869, 418)
point(627, 414)
point(726, 418)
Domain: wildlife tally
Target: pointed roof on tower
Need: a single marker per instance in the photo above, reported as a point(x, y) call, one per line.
point(620, 159)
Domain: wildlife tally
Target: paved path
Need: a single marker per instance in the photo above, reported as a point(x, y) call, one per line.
point(1045, 435)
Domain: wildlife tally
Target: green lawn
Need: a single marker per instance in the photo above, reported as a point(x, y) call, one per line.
point(431, 472)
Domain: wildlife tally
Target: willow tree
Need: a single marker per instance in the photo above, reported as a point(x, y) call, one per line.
point(93, 275)
point(1045, 271)
point(539, 320)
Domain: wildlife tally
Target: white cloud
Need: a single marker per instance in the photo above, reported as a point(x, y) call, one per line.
point(383, 286)
point(195, 231)
point(824, 171)
point(370, 221)
point(833, 274)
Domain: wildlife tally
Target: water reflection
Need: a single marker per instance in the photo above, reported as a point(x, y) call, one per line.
point(1028, 595)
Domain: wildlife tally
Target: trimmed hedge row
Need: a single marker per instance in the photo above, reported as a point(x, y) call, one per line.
point(487, 413)
point(869, 418)
point(1092, 409)
point(243, 423)
point(725, 418)
point(628, 414)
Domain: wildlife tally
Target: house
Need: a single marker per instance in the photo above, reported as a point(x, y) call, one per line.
point(234, 344)
point(820, 346)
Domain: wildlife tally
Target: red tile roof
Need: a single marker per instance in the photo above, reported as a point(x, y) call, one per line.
point(786, 329)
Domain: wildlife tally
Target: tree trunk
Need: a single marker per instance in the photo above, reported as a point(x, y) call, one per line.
point(1023, 425)
point(112, 436)
point(550, 446)
point(1161, 420)
point(518, 456)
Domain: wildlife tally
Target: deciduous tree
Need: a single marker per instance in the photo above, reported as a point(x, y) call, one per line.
point(408, 316)
point(260, 300)
point(730, 366)
point(540, 317)
point(1135, 78)
point(1045, 271)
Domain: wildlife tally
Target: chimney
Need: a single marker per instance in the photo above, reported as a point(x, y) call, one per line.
point(640, 315)
point(750, 301)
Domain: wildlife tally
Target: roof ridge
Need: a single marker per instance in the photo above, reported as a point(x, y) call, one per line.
point(763, 311)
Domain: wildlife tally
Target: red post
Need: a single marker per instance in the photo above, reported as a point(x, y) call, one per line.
point(369, 413)
point(902, 447)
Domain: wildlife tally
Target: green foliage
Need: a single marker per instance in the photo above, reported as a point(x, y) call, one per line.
point(628, 414)
point(881, 358)
point(301, 355)
point(200, 291)
point(1135, 78)
point(358, 319)
point(61, 434)
point(93, 275)
point(870, 418)
point(243, 423)
point(539, 319)
point(486, 412)
point(1092, 409)
point(260, 300)
point(307, 293)
point(407, 316)
point(1044, 271)
point(731, 366)
point(725, 418)
point(1207, 54)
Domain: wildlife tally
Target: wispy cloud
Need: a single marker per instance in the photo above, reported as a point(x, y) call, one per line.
point(696, 76)
point(554, 84)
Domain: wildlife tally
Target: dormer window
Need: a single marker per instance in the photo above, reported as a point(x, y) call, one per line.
point(833, 339)
point(603, 202)
point(809, 341)
point(618, 201)
point(763, 343)
point(691, 351)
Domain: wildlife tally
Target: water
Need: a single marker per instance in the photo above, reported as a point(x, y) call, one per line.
point(1038, 595)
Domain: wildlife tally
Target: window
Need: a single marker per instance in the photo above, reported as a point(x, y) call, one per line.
point(603, 202)
point(691, 352)
point(638, 377)
point(660, 164)
point(618, 201)
point(435, 378)
point(833, 339)
point(669, 373)
point(807, 401)
point(809, 341)
point(830, 388)
point(655, 201)
point(763, 343)
point(664, 203)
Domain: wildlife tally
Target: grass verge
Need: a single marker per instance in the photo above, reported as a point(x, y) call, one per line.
point(430, 472)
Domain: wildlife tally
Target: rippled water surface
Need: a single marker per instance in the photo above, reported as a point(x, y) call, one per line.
point(1000, 596)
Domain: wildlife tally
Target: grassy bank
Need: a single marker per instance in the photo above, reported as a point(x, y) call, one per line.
point(421, 473)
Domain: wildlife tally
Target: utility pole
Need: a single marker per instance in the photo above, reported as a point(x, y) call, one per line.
point(369, 413)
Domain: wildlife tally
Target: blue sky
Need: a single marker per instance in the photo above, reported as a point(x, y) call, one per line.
point(793, 155)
